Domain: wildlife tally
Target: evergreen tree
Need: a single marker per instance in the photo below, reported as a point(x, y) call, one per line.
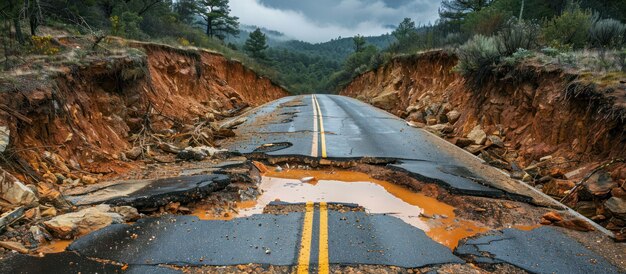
point(217, 19)
point(458, 9)
point(256, 44)
point(404, 30)
point(359, 43)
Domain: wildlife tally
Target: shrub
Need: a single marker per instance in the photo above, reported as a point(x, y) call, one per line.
point(520, 55)
point(571, 28)
point(607, 33)
point(487, 21)
point(44, 45)
point(517, 35)
point(477, 57)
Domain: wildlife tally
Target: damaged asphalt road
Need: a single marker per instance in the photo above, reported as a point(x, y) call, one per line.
point(320, 128)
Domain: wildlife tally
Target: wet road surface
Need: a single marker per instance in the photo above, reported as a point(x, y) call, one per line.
point(324, 127)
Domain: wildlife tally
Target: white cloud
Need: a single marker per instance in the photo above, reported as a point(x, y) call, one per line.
point(322, 20)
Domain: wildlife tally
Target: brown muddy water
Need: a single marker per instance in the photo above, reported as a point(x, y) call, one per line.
point(435, 218)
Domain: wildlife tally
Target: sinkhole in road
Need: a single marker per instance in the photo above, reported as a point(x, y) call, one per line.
point(436, 218)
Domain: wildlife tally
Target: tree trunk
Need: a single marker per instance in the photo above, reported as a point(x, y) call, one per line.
point(16, 23)
point(18, 31)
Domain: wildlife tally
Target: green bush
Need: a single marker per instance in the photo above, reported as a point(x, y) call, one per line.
point(607, 34)
point(570, 29)
point(478, 56)
point(487, 21)
point(518, 56)
point(517, 35)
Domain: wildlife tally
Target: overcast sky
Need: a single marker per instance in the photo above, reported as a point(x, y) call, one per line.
point(322, 20)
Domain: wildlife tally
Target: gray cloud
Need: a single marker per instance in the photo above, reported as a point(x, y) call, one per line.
point(322, 20)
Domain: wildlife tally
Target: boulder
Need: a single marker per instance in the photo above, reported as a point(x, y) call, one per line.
point(495, 141)
point(617, 207)
point(463, 142)
point(586, 208)
point(477, 135)
point(453, 116)
point(82, 222)
point(600, 184)
point(5, 134)
point(15, 192)
point(133, 153)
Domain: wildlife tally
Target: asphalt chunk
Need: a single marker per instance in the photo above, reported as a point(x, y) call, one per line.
point(150, 193)
point(542, 250)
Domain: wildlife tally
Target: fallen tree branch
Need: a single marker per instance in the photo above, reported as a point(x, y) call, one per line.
point(16, 114)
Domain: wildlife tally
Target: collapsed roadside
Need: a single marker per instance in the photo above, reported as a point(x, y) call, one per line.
point(545, 125)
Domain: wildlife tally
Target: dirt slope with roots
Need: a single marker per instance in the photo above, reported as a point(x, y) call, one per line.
point(87, 113)
point(537, 112)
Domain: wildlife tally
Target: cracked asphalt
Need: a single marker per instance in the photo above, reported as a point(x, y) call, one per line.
point(333, 128)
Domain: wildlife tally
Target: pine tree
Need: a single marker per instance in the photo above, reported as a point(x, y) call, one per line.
point(359, 43)
point(256, 45)
point(217, 19)
point(452, 10)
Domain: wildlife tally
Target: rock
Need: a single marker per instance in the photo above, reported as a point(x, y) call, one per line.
point(278, 169)
point(477, 135)
point(48, 212)
point(10, 217)
point(15, 192)
point(88, 180)
point(5, 134)
point(415, 124)
point(617, 207)
point(233, 123)
point(552, 217)
point(558, 188)
point(198, 153)
point(600, 184)
point(495, 141)
point(463, 142)
point(134, 153)
point(57, 161)
point(37, 235)
point(545, 158)
point(82, 222)
point(169, 148)
point(576, 224)
point(527, 178)
point(441, 128)
point(129, 213)
point(453, 116)
point(33, 214)
point(416, 116)
point(48, 194)
point(307, 179)
point(14, 246)
point(618, 192)
point(587, 209)
point(474, 149)
point(431, 121)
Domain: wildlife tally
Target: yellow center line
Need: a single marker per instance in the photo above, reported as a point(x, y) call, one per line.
point(322, 133)
point(314, 146)
point(323, 267)
point(305, 242)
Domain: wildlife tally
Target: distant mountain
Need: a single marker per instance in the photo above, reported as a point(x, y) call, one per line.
point(337, 49)
point(273, 37)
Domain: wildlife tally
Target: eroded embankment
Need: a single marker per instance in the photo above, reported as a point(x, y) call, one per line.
point(87, 113)
point(543, 124)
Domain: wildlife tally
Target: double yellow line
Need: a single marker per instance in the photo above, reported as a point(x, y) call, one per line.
point(306, 241)
point(317, 118)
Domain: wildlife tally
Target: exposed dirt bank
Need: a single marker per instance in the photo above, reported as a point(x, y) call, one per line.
point(92, 111)
point(544, 124)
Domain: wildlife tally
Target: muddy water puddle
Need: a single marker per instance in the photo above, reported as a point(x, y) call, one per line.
point(56, 246)
point(437, 219)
